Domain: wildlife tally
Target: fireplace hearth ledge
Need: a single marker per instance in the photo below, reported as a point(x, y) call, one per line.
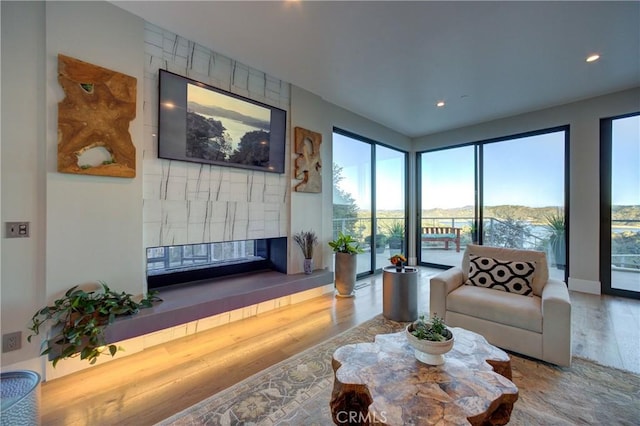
point(205, 298)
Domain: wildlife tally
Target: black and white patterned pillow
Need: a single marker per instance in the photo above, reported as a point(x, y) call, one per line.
point(510, 276)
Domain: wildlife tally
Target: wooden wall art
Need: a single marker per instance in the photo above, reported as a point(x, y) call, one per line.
point(95, 114)
point(308, 163)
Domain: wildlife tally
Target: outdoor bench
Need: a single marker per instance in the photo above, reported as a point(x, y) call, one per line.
point(442, 233)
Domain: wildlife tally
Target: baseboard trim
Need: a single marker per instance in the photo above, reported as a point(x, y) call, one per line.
point(584, 286)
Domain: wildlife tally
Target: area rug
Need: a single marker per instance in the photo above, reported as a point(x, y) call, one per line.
point(297, 391)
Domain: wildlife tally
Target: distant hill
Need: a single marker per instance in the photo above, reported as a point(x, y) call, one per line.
point(533, 215)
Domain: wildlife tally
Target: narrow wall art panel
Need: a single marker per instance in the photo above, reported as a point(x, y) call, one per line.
point(93, 120)
point(308, 164)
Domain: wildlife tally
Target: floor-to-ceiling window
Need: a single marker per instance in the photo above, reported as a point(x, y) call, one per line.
point(523, 195)
point(620, 206)
point(448, 201)
point(390, 203)
point(369, 193)
point(507, 192)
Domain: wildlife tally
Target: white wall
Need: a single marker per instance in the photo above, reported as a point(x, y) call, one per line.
point(98, 220)
point(84, 228)
point(23, 168)
point(584, 121)
point(314, 211)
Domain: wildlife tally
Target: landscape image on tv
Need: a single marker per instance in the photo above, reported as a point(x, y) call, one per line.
point(223, 128)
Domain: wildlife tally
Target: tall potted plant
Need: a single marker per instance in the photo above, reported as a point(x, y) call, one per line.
point(306, 240)
point(557, 244)
point(346, 249)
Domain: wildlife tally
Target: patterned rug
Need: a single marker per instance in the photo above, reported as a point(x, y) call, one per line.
point(297, 391)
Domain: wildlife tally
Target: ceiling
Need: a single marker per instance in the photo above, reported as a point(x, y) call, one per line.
point(391, 61)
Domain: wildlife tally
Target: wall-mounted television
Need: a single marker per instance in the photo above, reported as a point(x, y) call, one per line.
point(203, 124)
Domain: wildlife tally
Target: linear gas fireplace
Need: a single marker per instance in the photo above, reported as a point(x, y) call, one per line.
point(172, 265)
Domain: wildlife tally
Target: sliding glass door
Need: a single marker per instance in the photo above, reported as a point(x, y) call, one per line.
point(620, 206)
point(448, 204)
point(369, 197)
point(390, 196)
point(508, 192)
point(523, 196)
point(352, 191)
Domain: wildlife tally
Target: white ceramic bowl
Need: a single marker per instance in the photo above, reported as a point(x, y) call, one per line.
point(429, 352)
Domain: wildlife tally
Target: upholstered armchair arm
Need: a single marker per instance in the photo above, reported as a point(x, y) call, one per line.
point(556, 323)
point(440, 286)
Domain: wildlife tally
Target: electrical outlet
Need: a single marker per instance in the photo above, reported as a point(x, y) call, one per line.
point(11, 341)
point(16, 229)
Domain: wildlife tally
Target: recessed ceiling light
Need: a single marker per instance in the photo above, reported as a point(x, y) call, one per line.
point(440, 104)
point(593, 58)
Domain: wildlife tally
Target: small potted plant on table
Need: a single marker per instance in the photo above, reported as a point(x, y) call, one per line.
point(430, 339)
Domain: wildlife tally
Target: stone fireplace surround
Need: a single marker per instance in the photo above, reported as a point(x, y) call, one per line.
point(191, 301)
point(206, 298)
point(270, 255)
point(221, 292)
point(188, 203)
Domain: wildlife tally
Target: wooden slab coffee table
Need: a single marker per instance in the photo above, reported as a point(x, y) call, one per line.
point(383, 383)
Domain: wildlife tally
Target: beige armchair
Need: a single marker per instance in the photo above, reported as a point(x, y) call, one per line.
point(531, 315)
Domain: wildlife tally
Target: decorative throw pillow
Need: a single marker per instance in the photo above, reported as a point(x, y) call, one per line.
point(509, 276)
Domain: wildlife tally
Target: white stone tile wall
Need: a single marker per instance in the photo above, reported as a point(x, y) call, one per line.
point(189, 203)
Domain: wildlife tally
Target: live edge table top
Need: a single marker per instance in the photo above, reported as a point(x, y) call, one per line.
point(383, 383)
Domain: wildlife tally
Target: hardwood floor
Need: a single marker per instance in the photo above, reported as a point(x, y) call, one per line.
point(149, 386)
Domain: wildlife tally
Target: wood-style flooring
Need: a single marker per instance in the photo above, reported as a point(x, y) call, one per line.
point(149, 386)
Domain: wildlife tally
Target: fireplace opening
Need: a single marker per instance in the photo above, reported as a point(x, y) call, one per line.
point(180, 264)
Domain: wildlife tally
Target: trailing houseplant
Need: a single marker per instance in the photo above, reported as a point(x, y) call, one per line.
point(346, 249)
point(429, 339)
point(306, 240)
point(78, 321)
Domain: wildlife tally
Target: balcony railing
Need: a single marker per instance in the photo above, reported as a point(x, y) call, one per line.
point(526, 235)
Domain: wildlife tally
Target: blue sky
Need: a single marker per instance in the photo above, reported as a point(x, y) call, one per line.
point(626, 161)
point(528, 171)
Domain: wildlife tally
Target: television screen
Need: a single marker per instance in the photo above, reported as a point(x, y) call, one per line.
point(204, 124)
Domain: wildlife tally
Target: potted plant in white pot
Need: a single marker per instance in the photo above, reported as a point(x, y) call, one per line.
point(346, 249)
point(429, 339)
point(306, 240)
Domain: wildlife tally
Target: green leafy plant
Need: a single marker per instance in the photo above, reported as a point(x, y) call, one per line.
point(78, 321)
point(555, 223)
point(306, 240)
point(556, 226)
point(395, 230)
point(345, 244)
point(434, 330)
point(395, 235)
